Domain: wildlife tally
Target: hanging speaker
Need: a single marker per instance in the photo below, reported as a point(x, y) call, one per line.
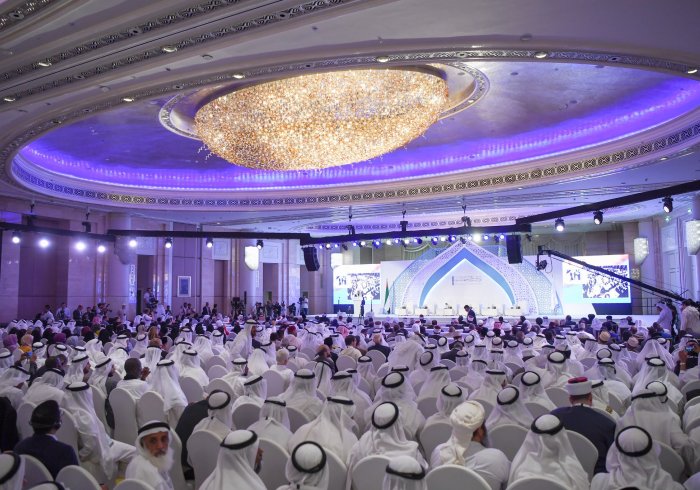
point(310, 259)
point(515, 251)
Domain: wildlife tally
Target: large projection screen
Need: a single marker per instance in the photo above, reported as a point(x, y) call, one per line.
point(353, 282)
point(582, 285)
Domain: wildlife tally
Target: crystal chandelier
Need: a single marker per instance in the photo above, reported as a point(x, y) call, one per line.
point(322, 120)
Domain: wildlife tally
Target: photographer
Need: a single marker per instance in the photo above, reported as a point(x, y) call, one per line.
point(687, 365)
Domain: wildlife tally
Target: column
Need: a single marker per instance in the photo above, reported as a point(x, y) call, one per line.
point(321, 293)
point(120, 284)
point(9, 270)
point(290, 278)
point(248, 283)
point(649, 270)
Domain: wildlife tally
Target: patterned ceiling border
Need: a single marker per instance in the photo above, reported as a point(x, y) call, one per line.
point(115, 38)
point(564, 170)
point(14, 16)
point(150, 54)
point(480, 80)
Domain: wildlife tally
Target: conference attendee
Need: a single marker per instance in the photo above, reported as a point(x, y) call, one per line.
point(154, 456)
point(237, 376)
point(582, 418)
point(12, 384)
point(655, 370)
point(395, 388)
point(426, 361)
point(648, 412)
point(274, 422)
point(47, 387)
point(134, 381)
point(509, 409)
point(104, 369)
point(408, 353)
point(98, 453)
point(386, 437)
point(301, 394)
point(465, 446)
point(43, 445)
point(236, 464)
point(494, 381)
point(280, 366)
point(690, 318)
point(190, 366)
point(450, 397)
point(220, 410)
point(633, 462)
point(547, 453)
point(404, 473)
point(306, 468)
point(343, 384)
point(438, 377)
point(254, 392)
point(165, 382)
point(329, 429)
point(351, 350)
point(377, 345)
point(11, 472)
point(605, 370)
point(532, 391)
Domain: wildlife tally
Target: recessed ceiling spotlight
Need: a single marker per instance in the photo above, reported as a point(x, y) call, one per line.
point(169, 49)
point(129, 99)
point(471, 101)
point(540, 55)
point(44, 63)
point(382, 59)
point(238, 76)
point(9, 98)
point(691, 71)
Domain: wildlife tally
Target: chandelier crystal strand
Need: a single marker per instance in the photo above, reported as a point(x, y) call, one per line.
point(321, 120)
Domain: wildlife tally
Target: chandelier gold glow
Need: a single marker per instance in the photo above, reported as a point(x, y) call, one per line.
point(323, 119)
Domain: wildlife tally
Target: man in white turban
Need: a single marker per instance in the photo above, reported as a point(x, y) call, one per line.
point(633, 462)
point(306, 468)
point(236, 463)
point(546, 452)
point(465, 446)
point(154, 457)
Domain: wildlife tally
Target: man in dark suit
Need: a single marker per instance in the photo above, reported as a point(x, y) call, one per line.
point(377, 339)
point(582, 418)
point(55, 455)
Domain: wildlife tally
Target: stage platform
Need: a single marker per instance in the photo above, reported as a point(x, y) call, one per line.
point(645, 320)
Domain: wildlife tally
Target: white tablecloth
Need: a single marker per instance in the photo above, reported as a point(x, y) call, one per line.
point(421, 311)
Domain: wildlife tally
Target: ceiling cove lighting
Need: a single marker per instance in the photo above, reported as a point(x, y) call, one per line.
point(322, 120)
point(668, 204)
point(559, 224)
point(598, 217)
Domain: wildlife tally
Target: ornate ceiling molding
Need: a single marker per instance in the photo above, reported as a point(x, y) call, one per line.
point(180, 44)
point(22, 12)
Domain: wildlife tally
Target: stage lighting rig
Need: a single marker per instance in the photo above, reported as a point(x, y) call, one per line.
point(668, 204)
point(598, 217)
point(542, 265)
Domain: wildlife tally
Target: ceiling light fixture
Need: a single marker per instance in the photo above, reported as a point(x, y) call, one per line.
point(16, 237)
point(9, 98)
point(133, 243)
point(598, 217)
point(80, 246)
point(44, 243)
point(322, 120)
point(129, 99)
point(260, 245)
point(382, 59)
point(210, 242)
point(691, 71)
point(44, 63)
point(559, 224)
point(541, 55)
point(169, 49)
point(101, 248)
point(238, 76)
point(668, 204)
point(168, 243)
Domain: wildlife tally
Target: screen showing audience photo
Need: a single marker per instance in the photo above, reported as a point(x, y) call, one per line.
point(583, 285)
point(354, 282)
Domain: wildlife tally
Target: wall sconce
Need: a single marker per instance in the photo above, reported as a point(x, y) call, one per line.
point(641, 250)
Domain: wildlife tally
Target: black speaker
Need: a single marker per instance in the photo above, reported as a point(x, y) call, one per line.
point(310, 259)
point(515, 251)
